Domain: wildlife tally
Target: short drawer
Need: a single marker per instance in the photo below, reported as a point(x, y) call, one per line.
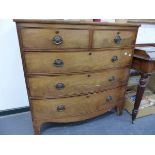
point(68, 109)
point(66, 62)
point(113, 38)
point(35, 38)
point(70, 85)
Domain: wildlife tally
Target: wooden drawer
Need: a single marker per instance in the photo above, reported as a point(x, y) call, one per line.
point(71, 85)
point(35, 38)
point(66, 62)
point(68, 109)
point(113, 38)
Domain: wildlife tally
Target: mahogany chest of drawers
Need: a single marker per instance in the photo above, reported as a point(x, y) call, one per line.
point(74, 70)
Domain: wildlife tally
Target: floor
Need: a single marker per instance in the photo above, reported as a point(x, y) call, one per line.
point(107, 124)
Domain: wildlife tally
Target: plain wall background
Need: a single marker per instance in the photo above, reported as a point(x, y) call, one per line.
point(146, 34)
point(12, 84)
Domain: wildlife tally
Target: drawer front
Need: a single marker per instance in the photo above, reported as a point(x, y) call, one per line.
point(113, 38)
point(54, 38)
point(67, 109)
point(70, 85)
point(66, 62)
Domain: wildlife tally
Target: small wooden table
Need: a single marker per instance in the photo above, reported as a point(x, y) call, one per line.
point(144, 62)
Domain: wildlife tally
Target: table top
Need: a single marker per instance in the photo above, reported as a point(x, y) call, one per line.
point(146, 53)
point(147, 49)
point(144, 59)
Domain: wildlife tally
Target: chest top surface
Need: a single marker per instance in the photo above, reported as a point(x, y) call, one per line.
point(49, 21)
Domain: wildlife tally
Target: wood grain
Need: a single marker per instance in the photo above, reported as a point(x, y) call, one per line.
point(45, 86)
point(76, 62)
point(46, 110)
point(103, 39)
point(42, 38)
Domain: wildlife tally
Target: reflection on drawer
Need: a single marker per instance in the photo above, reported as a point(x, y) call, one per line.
point(70, 85)
point(64, 109)
point(66, 62)
point(113, 38)
point(34, 38)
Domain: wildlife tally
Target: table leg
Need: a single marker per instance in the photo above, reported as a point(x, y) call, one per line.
point(140, 91)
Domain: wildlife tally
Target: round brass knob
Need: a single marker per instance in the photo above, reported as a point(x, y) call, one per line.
point(117, 39)
point(60, 108)
point(58, 63)
point(59, 86)
point(114, 58)
point(112, 78)
point(109, 98)
point(57, 39)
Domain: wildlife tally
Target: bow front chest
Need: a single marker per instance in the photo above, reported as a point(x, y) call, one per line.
point(74, 70)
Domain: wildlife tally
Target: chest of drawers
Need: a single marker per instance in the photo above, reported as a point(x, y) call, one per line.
point(74, 71)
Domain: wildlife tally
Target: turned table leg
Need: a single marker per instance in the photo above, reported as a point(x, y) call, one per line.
point(140, 91)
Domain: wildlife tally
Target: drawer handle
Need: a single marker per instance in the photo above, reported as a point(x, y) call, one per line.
point(112, 78)
point(114, 58)
point(58, 63)
point(118, 38)
point(59, 86)
point(109, 98)
point(57, 39)
point(60, 108)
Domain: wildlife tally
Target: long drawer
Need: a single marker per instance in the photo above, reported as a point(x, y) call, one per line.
point(35, 38)
point(70, 85)
point(66, 62)
point(68, 109)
